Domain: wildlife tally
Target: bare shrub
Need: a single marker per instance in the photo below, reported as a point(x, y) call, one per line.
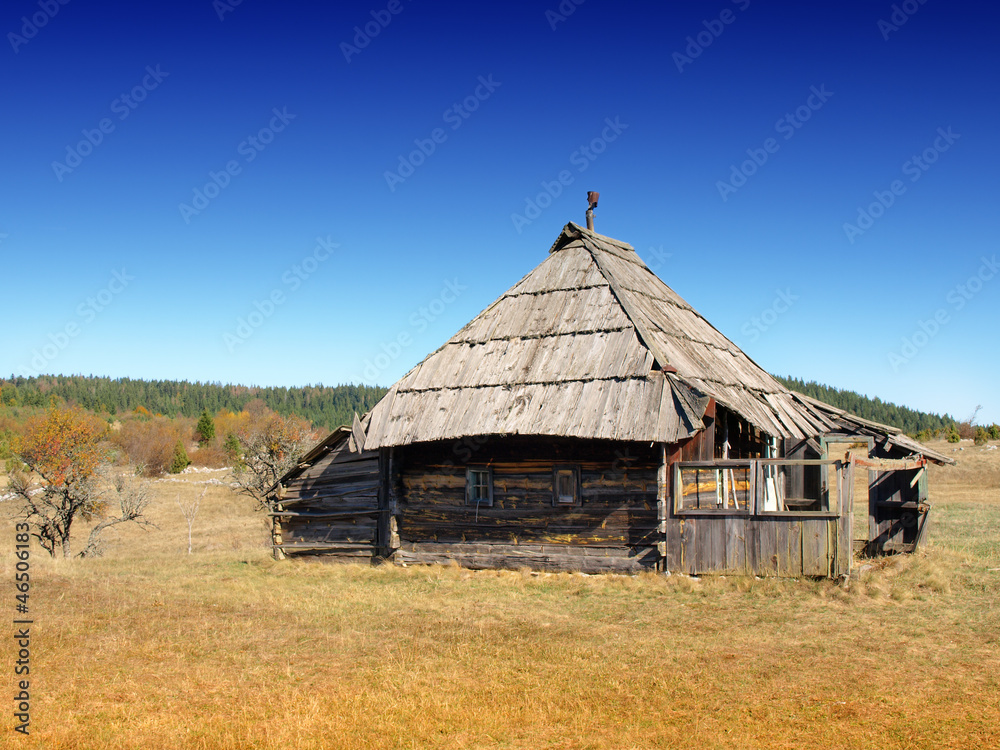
point(149, 444)
point(270, 445)
point(190, 509)
point(127, 496)
point(212, 455)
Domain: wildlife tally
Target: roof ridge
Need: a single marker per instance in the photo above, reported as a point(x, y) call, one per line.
point(618, 290)
point(573, 231)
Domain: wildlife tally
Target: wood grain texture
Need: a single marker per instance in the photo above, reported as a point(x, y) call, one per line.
point(330, 505)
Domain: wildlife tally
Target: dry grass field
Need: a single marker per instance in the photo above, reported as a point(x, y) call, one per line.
point(150, 647)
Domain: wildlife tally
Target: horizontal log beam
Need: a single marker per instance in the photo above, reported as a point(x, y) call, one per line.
point(336, 514)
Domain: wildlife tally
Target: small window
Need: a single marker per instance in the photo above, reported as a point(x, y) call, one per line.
point(479, 485)
point(566, 485)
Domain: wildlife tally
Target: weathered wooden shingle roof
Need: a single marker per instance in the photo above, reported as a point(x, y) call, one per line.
point(891, 437)
point(590, 344)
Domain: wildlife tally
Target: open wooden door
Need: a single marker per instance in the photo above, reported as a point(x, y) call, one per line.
point(897, 504)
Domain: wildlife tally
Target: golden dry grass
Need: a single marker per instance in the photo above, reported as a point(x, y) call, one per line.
point(152, 648)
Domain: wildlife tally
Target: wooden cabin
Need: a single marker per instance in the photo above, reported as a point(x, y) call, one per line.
point(591, 420)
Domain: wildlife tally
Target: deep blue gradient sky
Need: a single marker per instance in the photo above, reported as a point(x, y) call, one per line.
point(886, 309)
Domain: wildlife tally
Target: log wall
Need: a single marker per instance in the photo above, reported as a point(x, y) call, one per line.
point(613, 528)
point(332, 507)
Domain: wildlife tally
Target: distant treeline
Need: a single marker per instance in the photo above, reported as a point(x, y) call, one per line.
point(331, 406)
point(325, 406)
point(908, 420)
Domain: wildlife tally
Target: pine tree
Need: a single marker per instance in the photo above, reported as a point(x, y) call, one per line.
point(232, 447)
point(205, 428)
point(180, 460)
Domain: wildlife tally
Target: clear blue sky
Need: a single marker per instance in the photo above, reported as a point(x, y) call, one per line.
point(269, 153)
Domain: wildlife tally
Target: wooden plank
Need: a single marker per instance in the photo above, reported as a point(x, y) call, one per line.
point(704, 552)
point(674, 546)
point(845, 538)
point(715, 551)
point(689, 546)
point(888, 464)
point(735, 552)
point(792, 549)
point(751, 544)
point(815, 548)
point(548, 556)
point(358, 433)
point(328, 514)
point(331, 546)
point(383, 536)
point(415, 531)
point(782, 562)
point(923, 520)
point(767, 546)
point(355, 530)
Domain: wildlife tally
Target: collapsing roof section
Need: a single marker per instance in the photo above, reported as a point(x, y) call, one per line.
point(590, 344)
point(892, 439)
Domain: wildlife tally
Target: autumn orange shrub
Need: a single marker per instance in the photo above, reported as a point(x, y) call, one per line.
point(212, 455)
point(149, 443)
point(63, 451)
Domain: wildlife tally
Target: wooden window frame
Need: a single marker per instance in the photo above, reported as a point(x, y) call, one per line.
point(478, 469)
point(738, 464)
point(556, 471)
point(758, 479)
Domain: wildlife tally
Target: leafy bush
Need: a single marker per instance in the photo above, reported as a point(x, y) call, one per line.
point(981, 436)
point(953, 436)
point(994, 432)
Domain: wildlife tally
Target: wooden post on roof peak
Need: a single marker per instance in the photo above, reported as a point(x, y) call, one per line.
point(591, 205)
